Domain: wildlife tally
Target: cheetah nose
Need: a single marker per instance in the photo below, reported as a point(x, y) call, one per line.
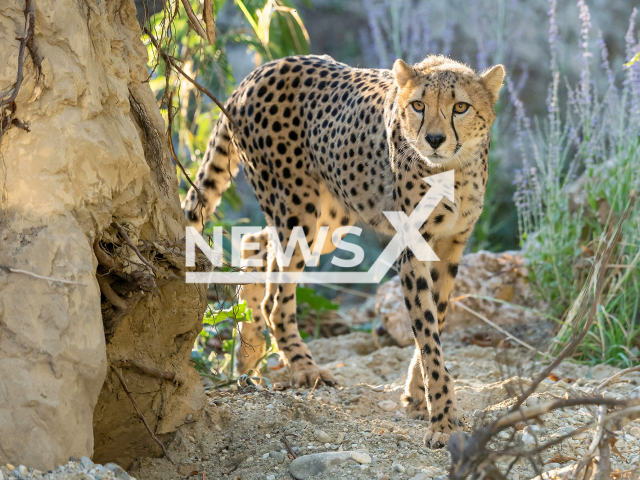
point(435, 140)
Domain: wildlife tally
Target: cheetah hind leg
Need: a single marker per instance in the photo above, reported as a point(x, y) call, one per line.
point(414, 399)
point(253, 345)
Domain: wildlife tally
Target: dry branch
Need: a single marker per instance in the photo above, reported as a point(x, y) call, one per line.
point(169, 60)
point(471, 454)
point(41, 277)
point(210, 21)
point(193, 20)
point(140, 415)
point(201, 202)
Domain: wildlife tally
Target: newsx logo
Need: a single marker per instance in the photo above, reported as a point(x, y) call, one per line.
point(407, 236)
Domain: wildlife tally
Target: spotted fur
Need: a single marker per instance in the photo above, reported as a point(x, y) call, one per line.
point(323, 143)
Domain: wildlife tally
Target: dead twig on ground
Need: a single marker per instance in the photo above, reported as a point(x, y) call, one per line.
point(288, 445)
point(140, 415)
point(500, 329)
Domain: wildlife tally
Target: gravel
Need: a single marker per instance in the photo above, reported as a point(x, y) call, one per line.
point(83, 469)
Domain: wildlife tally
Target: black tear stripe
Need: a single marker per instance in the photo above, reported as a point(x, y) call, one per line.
point(422, 122)
point(454, 128)
point(443, 114)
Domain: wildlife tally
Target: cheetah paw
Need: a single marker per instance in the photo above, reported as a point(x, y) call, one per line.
point(415, 412)
point(308, 376)
point(438, 436)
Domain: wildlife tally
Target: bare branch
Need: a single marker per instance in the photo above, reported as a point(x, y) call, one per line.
point(210, 21)
point(140, 415)
point(41, 277)
point(173, 63)
point(194, 20)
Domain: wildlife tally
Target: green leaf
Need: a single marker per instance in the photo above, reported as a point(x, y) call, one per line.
point(315, 301)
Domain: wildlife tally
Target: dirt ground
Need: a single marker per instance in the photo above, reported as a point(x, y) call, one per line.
point(240, 434)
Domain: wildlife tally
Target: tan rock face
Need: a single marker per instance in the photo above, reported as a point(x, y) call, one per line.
point(87, 161)
point(485, 274)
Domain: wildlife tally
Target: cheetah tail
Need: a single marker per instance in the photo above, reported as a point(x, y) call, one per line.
point(219, 164)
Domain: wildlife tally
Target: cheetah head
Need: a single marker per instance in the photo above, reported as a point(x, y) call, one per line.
point(445, 108)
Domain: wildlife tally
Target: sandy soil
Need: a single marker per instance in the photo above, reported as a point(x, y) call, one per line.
point(240, 433)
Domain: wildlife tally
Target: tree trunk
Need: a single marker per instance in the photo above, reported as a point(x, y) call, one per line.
point(96, 154)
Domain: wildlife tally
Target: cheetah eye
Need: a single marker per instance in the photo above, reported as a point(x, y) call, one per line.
point(461, 107)
point(417, 106)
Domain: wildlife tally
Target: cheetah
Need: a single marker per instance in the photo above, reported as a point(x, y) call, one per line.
point(325, 145)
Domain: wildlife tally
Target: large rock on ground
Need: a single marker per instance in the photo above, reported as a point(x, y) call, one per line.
point(494, 275)
point(90, 158)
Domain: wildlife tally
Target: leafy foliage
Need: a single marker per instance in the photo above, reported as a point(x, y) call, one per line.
point(580, 166)
point(276, 30)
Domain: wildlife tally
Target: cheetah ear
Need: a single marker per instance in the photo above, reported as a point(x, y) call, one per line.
point(403, 72)
point(492, 79)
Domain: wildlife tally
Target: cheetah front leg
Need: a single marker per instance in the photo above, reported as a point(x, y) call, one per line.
point(443, 274)
point(440, 393)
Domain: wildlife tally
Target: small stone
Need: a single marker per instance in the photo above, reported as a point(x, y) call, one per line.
point(258, 387)
point(327, 445)
point(23, 471)
point(550, 466)
point(478, 413)
point(265, 456)
point(379, 388)
point(635, 432)
point(340, 438)
point(322, 436)
point(270, 406)
point(189, 417)
point(440, 477)
point(398, 468)
point(388, 405)
point(86, 462)
point(267, 435)
point(1, 475)
point(528, 440)
point(119, 472)
point(279, 456)
point(193, 440)
point(361, 457)
point(306, 466)
point(421, 476)
point(383, 477)
point(233, 388)
point(271, 477)
point(533, 402)
point(566, 430)
point(411, 471)
point(10, 467)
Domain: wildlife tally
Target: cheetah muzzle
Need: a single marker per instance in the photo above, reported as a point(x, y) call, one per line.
point(325, 144)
